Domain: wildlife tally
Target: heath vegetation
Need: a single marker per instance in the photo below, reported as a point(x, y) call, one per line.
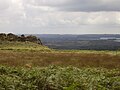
point(27, 65)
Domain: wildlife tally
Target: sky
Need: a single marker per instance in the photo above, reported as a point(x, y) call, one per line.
point(60, 16)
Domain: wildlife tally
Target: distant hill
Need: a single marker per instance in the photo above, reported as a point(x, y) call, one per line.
point(68, 42)
point(81, 42)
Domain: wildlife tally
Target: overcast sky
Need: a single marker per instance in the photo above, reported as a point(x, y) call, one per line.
point(60, 16)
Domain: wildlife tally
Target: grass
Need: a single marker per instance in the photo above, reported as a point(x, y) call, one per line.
point(21, 58)
point(22, 46)
point(29, 66)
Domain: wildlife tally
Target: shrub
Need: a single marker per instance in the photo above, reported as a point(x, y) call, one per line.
point(58, 78)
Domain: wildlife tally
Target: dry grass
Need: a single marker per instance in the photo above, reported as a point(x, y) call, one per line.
point(36, 58)
point(29, 54)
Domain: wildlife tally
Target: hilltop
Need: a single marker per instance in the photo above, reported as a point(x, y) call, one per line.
point(14, 42)
point(12, 37)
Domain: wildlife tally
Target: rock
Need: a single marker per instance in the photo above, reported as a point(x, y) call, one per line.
point(22, 38)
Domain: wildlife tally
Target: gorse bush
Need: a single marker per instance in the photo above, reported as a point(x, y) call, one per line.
point(59, 78)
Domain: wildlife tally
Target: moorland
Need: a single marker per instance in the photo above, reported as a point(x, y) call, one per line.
point(26, 65)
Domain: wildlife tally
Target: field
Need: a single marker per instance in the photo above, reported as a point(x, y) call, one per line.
point(43, 58)
point(29, 66)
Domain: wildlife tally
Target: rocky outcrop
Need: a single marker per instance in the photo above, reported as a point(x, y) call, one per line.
point(22, 38)
point(11, 37)
point(2, 36)
point(33, 39)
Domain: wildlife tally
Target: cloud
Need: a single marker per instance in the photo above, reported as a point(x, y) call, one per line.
point(67, 19)
point(91, 5)
point(4, 4)
point(78, 5)
point(59, 16)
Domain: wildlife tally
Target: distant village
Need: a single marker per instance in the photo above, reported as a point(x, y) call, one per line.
point(21, 38)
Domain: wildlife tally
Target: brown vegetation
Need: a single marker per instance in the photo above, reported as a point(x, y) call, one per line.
point(36, 58)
